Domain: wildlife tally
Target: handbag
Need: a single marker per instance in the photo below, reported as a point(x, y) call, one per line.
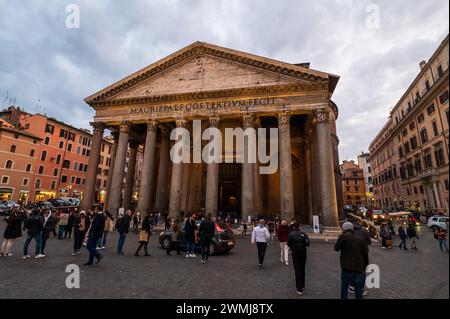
point(144, 236)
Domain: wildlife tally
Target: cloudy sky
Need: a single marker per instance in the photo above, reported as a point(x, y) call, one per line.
point(50, 68)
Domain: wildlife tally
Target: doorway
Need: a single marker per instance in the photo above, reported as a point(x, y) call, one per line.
point(230, 190)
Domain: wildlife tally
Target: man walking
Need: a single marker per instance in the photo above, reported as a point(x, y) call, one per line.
point(354, 261)
point(123, 227)
point(206, 232)
point(34, 225)
point(95, 233)
point(261, 238)
point(189, 232)
point(298, 241)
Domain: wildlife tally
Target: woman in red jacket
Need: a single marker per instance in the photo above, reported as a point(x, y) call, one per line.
point(283, 235)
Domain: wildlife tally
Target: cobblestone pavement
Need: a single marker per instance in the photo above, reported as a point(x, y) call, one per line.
point(404, 274)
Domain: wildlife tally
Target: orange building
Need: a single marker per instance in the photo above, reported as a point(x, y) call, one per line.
point(353, 184)
point(18, 152)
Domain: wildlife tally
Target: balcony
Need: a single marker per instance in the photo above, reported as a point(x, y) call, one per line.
point(428, 172)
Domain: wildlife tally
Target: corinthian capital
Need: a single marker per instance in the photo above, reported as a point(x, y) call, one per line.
point(284, 118)
point(98, 127)
point(181, 122)
point(248, 120)
point(124, 127)
point(321, 115)
point(152, 125)
point(214, 121)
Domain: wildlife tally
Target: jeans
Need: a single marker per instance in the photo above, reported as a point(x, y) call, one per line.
point(45, 237)
point(61, 229)
point(78, 239)
point(206, 244)
point(92, 248)
point(121, 242)
point(190, 247)
point(299, 261)
point(7, 245)
point(284, 252)
point(67, 232)
point(355, 279)
point(403, 243)
point(38, 238)
point(261, 252)
point(443, 244)
point(103, 240)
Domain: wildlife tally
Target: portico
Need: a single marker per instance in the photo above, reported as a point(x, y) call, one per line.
point(223, 88)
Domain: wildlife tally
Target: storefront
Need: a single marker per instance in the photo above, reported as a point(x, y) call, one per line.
point(6, 193)
point(41, 195)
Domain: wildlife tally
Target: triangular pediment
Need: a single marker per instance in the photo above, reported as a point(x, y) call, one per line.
point(203, 67)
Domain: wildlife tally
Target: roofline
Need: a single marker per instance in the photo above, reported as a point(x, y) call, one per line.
point(17, 131)
point(422, 71)
point(333, 79)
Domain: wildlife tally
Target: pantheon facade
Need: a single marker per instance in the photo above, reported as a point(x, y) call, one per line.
point(223, 88)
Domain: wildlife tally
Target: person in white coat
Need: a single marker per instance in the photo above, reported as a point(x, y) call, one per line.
point(261, 238)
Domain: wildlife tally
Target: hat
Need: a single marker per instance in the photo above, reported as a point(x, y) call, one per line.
point(347, 226)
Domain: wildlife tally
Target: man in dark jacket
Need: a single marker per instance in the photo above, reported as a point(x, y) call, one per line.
point(123, 229)
point(49, 221)
point(297, 242)
point(206, 232)
point(189, 232)
point(34, 225)
point(95, 233)
point(354, 261)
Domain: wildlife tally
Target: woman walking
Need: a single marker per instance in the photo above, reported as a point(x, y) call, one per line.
point(81, 225)
point(109, 227)
point(144, 235)
point(13, 230)
point(283, 235)
point(176, 237)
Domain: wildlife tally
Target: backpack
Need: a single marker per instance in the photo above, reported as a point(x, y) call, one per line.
point(118, 223)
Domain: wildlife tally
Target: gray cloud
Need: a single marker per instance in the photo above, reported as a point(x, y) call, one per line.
point(41, 59)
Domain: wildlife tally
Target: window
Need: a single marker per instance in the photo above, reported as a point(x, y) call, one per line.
point(417, 96)
point(103, 147)
point(439, 155)
point(435, 129)
point(49, 129)
point(64, 179)
point(12, 149)
point(66, 164)
point(427, 159)
point(83, 152)
point(9, 164)
point(47, 140)
point(80, 168)
point(88, 152)
point(427, 84)
point(80, 140)
point(356, 189)
point(69, 147)
point(78, 181)
point(424, 136)
point(84, 181)
point(61, 145)
point(85, 168)
point(38, 183)
point(55, 172)
point(443, 98)
point(440, 71)
point(402, 172)
point(412, 126)
point(71, 137)
point(16, 136)
point(25, 182)
point(58, 158)
point(405, 132)
point(28, 168)
point(41, 170)
point(421, 118)
point(418, 164)
point(43, 155)
point(431, 109)
point(421, 189)
point(413, 142)
point(63, 133)
point(408, 191)
point(53, 185)
point(415, 190)
point(72, 180)
point(99, 183)
point(5, 179)
point(78, 150)
point(349, 197)
point(32, 153)
point(400, 152)
point(407, 149)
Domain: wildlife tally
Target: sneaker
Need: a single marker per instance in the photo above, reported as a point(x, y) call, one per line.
point(351, 289)
point(260, 267)
point(98, 248)
point(203, 262)
point(206, 261)
point(103, 247)
point(193, 255)
point(300, 293)
point(287, 264)
point(188, 255)
point(79, 252)
point(39, 256)
point(74, 253)
point(8, 255)
point(26, 257)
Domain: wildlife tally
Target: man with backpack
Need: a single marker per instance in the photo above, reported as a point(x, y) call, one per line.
point(297, 242)
point(34, 225)
point(206, 232)
point(123, 227)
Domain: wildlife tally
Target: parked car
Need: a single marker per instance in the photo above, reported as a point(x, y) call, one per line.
point(10, 204)
point(437, 221)
point(222, 242)
point(71, 201)
point(43, 205)
point(57, 202)
point(4, 210)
